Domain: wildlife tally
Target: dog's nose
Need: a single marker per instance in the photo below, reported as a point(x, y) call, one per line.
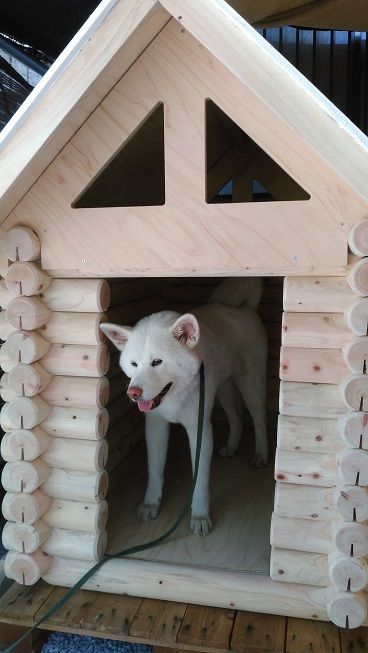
point(134, 393)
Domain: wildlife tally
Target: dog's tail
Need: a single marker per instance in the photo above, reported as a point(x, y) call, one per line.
point(238, 292)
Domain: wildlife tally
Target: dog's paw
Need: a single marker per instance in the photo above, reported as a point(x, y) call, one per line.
point(227, 451)
point(200, 525)
point(147, 511)
point(259, 460)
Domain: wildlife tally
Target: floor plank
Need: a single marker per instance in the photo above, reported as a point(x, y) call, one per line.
point(263, 632)
point(20, 604)
point(158, 620)
point(306, 636)
point(354, 641)
point(207, 627)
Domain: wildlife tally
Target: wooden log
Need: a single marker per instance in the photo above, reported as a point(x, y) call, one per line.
point(5, 327)
point(76, 544)
point(358, 238)
point(354, 390)
point(346, 609)
point(74, 328)
point(6, 363)
point(77, 360)
point(311, 400)
point(358, 278)
point(346, 573)
point(356, 316)
point(27, 313)
point(28, 380)
point(352, 466)
point(312, 434)
point(312, 365)
point(299, 567)
point(24, 413)
point(25, 538)
point(26, 568)
point(306, 468)
point(305, 502)
point(26, 346)
point(24, 476)
point(355, 354)
point(21, 244)
point(301, 534)
point(84, 455)
point(5, 295)
point(317, 294)
point(77, 515)
point(78, 423)
point(351, 538)
point(25, 508)
point(351, 502)
point(76, 485)
point(315, 330)
point(353, 429)
point(77, 391)
point(77, 295)
point(23, 444)
point(28, 279)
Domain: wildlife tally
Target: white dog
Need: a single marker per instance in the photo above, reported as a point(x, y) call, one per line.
point(162, 355)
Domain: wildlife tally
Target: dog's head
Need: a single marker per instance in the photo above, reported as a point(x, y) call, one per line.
point(158, 355)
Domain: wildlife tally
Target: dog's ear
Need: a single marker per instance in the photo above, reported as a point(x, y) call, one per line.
point(186, 329)
point(117, 334)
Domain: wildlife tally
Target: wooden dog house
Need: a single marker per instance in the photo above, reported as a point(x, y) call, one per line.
point(117, 176)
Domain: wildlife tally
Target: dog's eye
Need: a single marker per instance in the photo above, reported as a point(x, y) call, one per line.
point(133, 363)
point(156, 361)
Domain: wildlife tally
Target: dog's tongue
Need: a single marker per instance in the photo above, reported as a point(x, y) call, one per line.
point(145, 406)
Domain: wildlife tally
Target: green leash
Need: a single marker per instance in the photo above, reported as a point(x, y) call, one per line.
point(139, 547)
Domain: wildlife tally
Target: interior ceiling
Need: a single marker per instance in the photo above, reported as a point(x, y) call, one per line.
point(48, 26)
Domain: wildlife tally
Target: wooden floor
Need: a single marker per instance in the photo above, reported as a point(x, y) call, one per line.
point(169, 625)
point(241, 507)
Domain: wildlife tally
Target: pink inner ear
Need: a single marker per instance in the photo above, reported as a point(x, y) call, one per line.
point(186, 329)
point(119, 337)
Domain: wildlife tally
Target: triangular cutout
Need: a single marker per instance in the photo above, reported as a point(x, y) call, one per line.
point(135, 174)
point(231, 155)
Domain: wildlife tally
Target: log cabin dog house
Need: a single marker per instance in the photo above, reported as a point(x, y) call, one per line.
point(168, 146)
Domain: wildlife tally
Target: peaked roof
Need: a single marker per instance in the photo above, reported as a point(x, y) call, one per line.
point(109, 43)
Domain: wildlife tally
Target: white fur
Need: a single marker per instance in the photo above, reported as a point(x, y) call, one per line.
point(232, 344)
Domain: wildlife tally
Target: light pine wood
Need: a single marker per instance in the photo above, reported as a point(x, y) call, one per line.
point(23, 412)
point(313, 434)
point(5, 327)
point(346, 609)
point(28, 380)
point(79, 423)
point(352, 502)
point(5, 295)
point(27, 313)
point(358, 278)
point(77, 392)
point(26, 568)
point(352, 466)
point(315, 330)
point(75, 544)
point(28, 279)
point(299, 567)
point(306, 468)
point(23, 444)
point(317, 294)
point(354, 390)
point(76, 454)
point(77, 485)
point(311, 399)
point(312, 365)
point(77, 295)
point(356, 316)
point(6, 363)
point(76, 515)
point(355, 354)
point(24, 476)
point(74, 328)
point(77, 360)
point(358, 238)
point(305, 502)
point(301, 534)
point(346, 573)
point(351, 538)
point(25, 508)
point(25, 538)
point(21, 244)
point(26, 346)
point(353, 429)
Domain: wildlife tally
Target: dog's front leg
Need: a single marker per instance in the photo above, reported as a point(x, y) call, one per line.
point(157, 436)
point(201, 521)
